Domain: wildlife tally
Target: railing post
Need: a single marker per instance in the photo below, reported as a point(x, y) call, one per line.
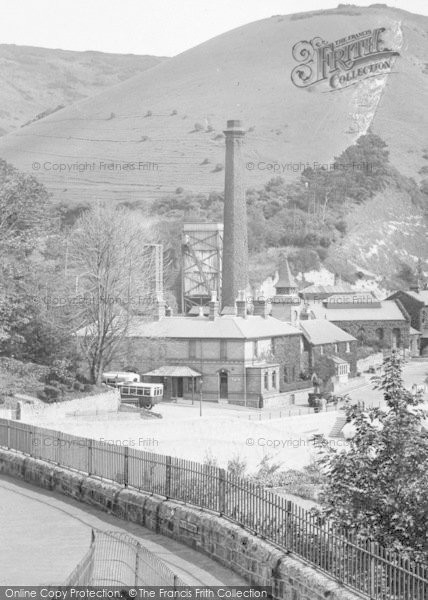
point(89, 457)
point(372, 571)
point(137, 562)
point(168, 470)
point(126, 466)
point(31, 442)
point(222, 491)
point(8, 435)
point(59, 448)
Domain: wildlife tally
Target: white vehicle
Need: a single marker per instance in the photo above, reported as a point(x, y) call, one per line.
point(144, 395)
point(116, 377)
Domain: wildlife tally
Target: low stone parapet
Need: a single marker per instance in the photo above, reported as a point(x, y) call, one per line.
point(257, 561)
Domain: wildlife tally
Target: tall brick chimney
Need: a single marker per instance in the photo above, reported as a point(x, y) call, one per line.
point(235, 241)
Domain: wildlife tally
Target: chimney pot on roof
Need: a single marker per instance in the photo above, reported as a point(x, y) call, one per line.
point(214, 306)
point(241, 305)
point(261, 307)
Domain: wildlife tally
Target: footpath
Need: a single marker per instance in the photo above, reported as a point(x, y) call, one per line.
point(45, 535)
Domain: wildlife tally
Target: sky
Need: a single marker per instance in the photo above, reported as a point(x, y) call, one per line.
point(158, 27)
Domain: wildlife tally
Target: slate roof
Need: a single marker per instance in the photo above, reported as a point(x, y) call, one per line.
point(422, 296)
point(387, 311)
point(327, 289)
point(322, 331)
point(225, 327)
point(173, 371)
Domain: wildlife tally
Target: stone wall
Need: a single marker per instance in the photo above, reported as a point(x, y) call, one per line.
point(257, 561)
point(370, 328)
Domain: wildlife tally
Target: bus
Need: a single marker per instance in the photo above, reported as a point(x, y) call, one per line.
point(114, 378)
point(144, 395)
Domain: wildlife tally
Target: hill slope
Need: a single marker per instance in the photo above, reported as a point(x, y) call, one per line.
point(245, 74)
point(34, 80)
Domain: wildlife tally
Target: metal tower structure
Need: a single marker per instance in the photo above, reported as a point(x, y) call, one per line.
point(201, 256)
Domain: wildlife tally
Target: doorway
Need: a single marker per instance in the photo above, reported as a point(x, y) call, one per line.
point(223, 383)
point(179, 387)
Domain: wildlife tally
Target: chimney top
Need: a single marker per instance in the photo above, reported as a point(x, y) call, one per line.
point(234, 126)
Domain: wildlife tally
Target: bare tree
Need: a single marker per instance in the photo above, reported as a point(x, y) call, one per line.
point(115, 280)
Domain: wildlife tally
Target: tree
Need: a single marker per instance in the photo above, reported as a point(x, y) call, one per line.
point(110, 250)
point(378, 487)
point(24, 211)
point(324, 368)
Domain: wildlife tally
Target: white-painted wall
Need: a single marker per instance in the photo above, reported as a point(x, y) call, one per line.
point(99, 403)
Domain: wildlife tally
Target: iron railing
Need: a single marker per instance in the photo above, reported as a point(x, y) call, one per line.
point(116, 558)
point(363, 566)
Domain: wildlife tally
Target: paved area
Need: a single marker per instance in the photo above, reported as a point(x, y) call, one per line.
point(44, 535)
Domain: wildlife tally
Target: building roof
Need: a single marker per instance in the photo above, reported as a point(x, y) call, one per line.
point(343, 288)
point(338, 360)
point(414, 331)
point(387, 310)
point(322, 331)
point(225, 327)
point(422, 296)
point(173, 371)
point(285, 277)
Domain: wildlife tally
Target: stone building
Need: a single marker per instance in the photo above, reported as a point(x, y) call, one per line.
point(369, 320)
point(323, 338)
point(241, 358)
point(415, 301)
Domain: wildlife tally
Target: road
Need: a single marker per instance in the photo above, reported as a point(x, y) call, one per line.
point(44, 535)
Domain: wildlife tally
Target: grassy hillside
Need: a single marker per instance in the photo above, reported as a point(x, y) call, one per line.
point(35, 81)
point(173, 115)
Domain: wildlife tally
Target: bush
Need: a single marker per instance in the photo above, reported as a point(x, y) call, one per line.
point(199, 127)
point(149, 113)
point(237, 466)
point(210, 128)
point(218, 167)
point(174, 112)
point(53, 393)
point(79, 387)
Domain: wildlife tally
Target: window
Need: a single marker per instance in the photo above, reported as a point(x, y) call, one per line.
point(266, 381)
point(125, 390)
point(192, 348)
point(274, 379)
point(146, 391)
point(255, 349)
point(348, 347)
point(321, 349)
point(139, 391)
point(223, 350)
point(285, 374)
point(336, 348)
